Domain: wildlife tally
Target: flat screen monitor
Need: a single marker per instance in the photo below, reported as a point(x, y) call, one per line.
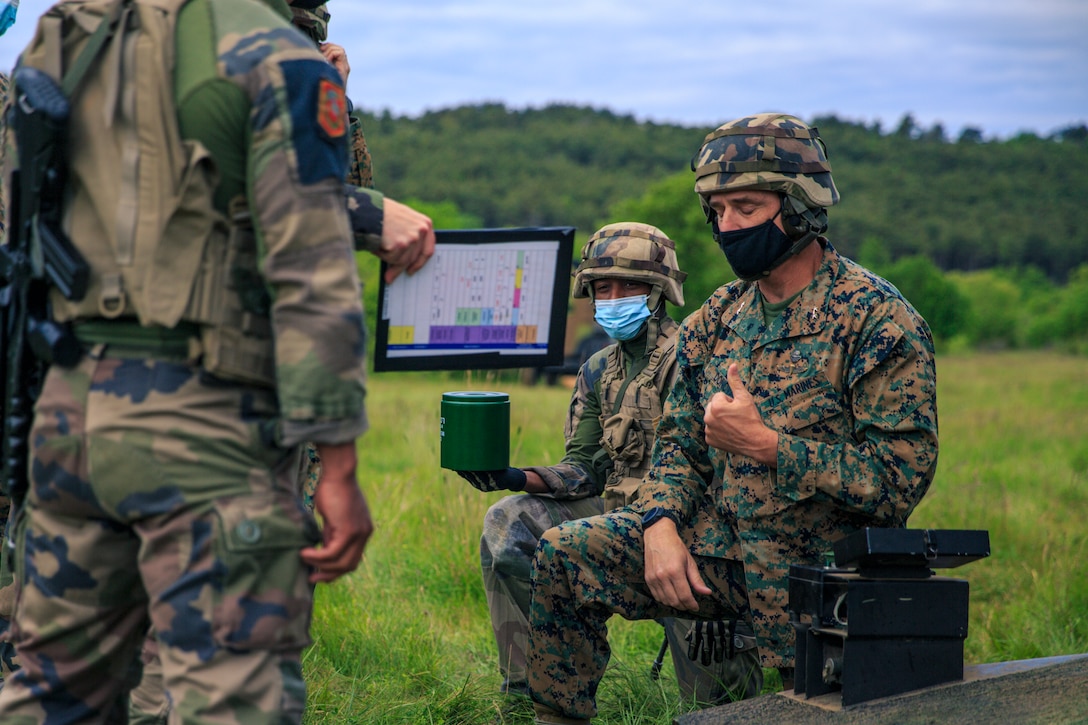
point(488, 298)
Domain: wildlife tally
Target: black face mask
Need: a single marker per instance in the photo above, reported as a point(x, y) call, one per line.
point(755, 251)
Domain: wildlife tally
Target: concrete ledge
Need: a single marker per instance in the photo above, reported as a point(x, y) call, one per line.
point(1048, 691)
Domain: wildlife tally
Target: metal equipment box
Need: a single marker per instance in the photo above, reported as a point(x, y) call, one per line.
point(880, 623)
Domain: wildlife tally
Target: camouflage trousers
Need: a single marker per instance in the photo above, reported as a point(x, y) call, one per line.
point(8, 661)
point(584, 572)
point(155, 498)
point(147, 703)
point(513, 527)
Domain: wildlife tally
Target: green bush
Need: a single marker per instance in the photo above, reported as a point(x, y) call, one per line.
point(993, 310)
point(931, 293)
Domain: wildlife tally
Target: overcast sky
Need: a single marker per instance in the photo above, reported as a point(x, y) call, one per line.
point(1002, 66)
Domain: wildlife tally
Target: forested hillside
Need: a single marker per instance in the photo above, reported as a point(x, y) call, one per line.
point(985, 238)
point(966, 203)
point(557, 166)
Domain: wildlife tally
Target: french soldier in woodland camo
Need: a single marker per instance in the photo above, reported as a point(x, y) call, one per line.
point(221, 328)
point(804, 409)
point(392, 231)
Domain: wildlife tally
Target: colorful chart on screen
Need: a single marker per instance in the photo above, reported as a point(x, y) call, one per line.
point(488, 298)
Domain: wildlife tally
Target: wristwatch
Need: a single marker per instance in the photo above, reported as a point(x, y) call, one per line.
point(654, 515)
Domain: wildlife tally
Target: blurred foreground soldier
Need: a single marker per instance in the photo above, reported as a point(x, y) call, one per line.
point(7, 581)
point(629, 270)
point(221, 327)
point(804, 409)
point(397, 234)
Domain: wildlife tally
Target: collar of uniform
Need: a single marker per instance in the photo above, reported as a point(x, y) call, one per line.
point(806, 315)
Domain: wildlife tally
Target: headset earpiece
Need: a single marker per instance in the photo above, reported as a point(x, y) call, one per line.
point(799, 220)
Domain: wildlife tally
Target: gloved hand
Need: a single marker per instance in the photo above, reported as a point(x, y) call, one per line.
point(711, 641)
point(510, 479)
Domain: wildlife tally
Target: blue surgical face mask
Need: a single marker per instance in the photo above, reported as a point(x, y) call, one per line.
point(7, 15)
point(622, 318)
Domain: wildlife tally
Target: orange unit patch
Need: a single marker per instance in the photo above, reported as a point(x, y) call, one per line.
point(332, 109)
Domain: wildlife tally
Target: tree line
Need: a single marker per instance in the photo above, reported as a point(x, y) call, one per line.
point(981, 235)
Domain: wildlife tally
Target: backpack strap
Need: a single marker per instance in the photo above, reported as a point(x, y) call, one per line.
point(73, 77)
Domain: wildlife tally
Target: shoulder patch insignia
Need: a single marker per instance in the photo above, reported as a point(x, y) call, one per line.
point(332, 109)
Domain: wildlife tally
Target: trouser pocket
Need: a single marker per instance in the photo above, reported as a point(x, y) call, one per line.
point(263, 597)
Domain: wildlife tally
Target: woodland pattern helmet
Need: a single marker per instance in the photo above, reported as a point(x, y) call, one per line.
point(313, 22)
point(767, 151)
point(630, 250)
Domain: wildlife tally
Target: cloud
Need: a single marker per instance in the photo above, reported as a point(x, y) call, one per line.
point(1002, 66)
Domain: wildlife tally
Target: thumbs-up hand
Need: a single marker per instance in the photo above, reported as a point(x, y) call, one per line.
point(733, 424)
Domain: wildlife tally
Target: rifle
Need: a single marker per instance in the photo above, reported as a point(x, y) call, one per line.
point(38, 256)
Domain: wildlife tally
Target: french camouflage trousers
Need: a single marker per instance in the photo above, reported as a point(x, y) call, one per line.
point(8, 660)
point(584, 572)
point(147, 704)
point(155, 498)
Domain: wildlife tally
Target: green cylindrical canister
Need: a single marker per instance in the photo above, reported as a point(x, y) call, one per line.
point(475, 431)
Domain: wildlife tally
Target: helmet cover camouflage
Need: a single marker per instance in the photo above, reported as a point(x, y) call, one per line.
point(630, 250)
point(767, 151)
point(314, 23)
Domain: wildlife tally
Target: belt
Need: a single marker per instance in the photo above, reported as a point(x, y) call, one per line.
point(128, 338)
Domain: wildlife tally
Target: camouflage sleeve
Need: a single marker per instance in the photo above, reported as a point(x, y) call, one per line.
point(296, 165)
point(584, 467)
point(365, 211)
point(885, 467)
point(366, 216)
point(360, 165)
point(681, 468)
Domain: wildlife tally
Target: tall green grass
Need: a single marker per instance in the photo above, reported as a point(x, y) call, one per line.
point(406, 639)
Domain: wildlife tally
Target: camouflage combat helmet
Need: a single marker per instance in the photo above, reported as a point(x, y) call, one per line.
point(630, 250)
point(313, 22)
point(768, 151)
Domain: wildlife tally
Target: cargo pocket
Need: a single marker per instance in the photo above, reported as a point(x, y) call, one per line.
point(263, 597)
point(622, 437)
point(621, 492)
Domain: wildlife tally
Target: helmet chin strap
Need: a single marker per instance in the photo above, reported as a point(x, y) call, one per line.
point(802, 223)
point(655, 298)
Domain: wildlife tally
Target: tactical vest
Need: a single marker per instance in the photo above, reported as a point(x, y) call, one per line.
point(630, 411)
point(139, 206)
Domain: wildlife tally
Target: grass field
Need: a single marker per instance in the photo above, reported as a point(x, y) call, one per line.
point(406, 639)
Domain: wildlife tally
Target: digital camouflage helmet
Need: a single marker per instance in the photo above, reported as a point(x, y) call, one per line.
point(630, 250)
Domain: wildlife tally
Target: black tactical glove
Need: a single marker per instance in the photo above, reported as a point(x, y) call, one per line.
point(510, 479)
point(711, 641)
